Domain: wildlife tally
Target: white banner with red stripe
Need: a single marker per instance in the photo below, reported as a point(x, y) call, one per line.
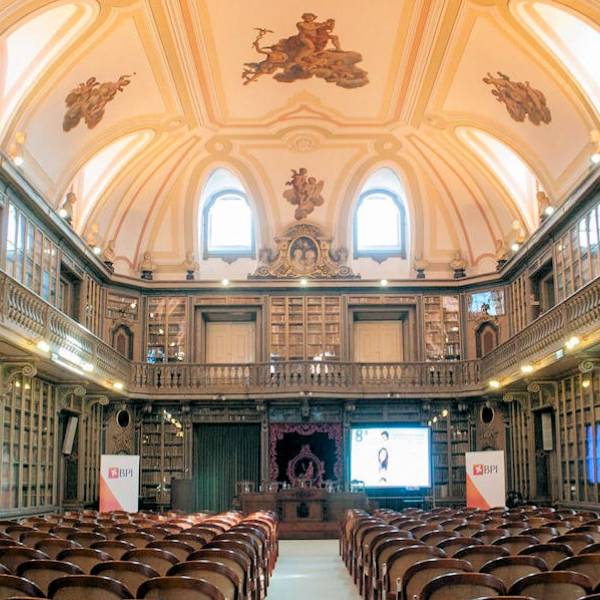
point(486, 483)
point(119, 482)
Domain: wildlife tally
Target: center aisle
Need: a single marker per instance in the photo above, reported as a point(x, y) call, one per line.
point(311, 569)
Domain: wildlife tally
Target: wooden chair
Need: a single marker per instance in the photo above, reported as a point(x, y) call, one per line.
point(453, 545)
point(86, 538)
point(84, 558)
point(575, 541)
point(462, 586)
point(418, 575)
point(587, 564)
point(221, 576)
point(396, 565)
point(110, 532)
point(553, 585)
point(15, 531)
point(12, 586)
point(12, 556)
point(510, 568)
point(489, 536)
point(160, 560)
point(479, 555)
point(138, 539)
point(90, 587)
point(550, 553)
point(115, 548)
point(180, 549)
point(158, 533)
point(43, 572)
point(178, 588)
point(515, 543)
point(542, 533)
point(237, 562)
point(30, 538)
point(197, 542)
point(63, 531)
point(434, 538)
point(54, 546)
point(131, 574)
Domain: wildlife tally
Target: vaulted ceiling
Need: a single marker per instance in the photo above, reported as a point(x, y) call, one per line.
point(404, 89)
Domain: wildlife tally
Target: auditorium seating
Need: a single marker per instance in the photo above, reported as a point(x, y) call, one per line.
point(534, 553)
point(94, 555)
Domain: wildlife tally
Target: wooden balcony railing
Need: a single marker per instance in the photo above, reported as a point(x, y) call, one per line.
point(25, 315)
point(306, 376)
point(577, 315)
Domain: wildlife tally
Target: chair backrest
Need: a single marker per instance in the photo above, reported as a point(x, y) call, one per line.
point(237, 562)
point(551, 553)
point(433, 538)
point(490, 535)
point(510, 568)
point(398, 562)
point(29, 538)
point(542, 533)
point(575, 541)
point(54, 546)
point(138, 538)
point(12, 586)
point(90, 587)
point(43, 572)
point(12, 556)
point(179, 588)
point(479, 555)
point(160, 560)
point(86, 538)
point(222, 577)
point(587, 564)
point(116, 548)
point(131, 574)
point(84, 558)
point(462, 586)
point(515, 543)
point(453, 545)
point(418, 575)
point(180, 549)
point(553, 585)
point(110, 533)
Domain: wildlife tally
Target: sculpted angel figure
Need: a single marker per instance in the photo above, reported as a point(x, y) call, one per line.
point(305, 193)
point(520, 98)
point(88, 101)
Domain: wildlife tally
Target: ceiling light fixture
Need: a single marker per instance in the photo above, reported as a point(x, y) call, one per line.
point(549, 211)
point(383, 283)
point(118, 385)
point(62, 213)
point(515, 247)
point(527, 369)
point(572, 342)
point(225, 282)
point(494, 384)
point(445, 412)
point(97, 250)
point(43, 346)
point(594, 158)
point(586, 383)
point(304, 281)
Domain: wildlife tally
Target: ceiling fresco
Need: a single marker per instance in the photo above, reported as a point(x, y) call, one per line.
point(302, 102)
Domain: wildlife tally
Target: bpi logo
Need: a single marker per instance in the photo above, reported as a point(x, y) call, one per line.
point(484, 469)
point(116, 473)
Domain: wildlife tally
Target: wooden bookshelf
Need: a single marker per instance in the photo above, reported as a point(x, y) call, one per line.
point(166, 329)
point(302, 328)
point(442, 328)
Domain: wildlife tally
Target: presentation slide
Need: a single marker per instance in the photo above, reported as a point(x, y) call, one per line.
point(391, 456)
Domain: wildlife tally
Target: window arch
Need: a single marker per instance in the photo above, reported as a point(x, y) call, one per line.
point(380, 224)
point(227, 218)
point(574, 41)
point(27, 49)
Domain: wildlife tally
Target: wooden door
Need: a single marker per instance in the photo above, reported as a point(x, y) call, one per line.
point(230, 342)
point(378, 341)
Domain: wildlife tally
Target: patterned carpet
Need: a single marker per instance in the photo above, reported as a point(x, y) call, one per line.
point(311, 569)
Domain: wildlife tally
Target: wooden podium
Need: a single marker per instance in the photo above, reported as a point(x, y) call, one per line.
point(302, 504)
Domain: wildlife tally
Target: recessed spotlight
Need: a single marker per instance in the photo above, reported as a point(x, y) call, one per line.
point(515, 247)
point(586, 383)
point(594, 158)
point(118, 385)
point(527, 369)
point(225, 282)
point(43, 346)
point(549, 211)
point(304, 281)
point(494, 384)
point(383, 283)
point(18, 160)
point(62, 213)
point(97, 250)
point(572, 342)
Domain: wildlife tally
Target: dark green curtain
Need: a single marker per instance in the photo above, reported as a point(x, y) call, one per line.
point(224, 455)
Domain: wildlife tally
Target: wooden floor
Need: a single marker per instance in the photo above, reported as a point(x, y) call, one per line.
point(313, 570)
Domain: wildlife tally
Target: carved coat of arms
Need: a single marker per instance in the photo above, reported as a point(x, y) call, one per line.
point(521, 100)
point(313, 52)
point(303, 251)
point(305, 193)
point(88, 101)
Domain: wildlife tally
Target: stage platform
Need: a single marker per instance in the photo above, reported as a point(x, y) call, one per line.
point(305, 530)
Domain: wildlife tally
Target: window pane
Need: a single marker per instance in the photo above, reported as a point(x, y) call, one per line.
point(230, 224)
point(378, 224)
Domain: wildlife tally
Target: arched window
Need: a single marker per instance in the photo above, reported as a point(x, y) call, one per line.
point(27, 49)
point(380, 229)
point(574, 41)
point(227, 220)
